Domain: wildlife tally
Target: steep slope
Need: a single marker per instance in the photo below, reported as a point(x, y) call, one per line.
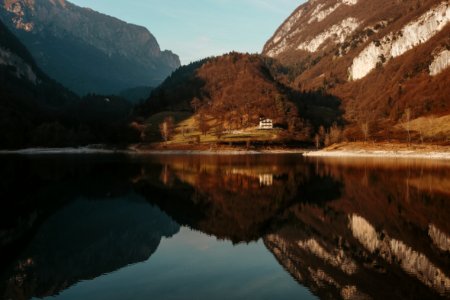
point(37, 111)
point(85, 50)
point(27, 95)
point(381, 58)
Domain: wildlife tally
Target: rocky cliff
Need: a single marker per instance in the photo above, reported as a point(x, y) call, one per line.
point(380, 57)
point(85, 50)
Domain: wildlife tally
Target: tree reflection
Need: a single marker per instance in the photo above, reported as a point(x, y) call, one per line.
point(224, 197)
point(379, 239)
point(343, 228)
point(346, 229)
point(80, 219)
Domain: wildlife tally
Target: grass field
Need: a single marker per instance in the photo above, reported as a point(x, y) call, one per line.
point(431, 126)
point(187, 131)
point(152, 132)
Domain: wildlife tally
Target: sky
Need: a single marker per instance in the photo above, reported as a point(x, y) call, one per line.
point(196, 29)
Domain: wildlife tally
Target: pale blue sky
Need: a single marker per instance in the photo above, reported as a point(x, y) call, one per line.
point(195, 29)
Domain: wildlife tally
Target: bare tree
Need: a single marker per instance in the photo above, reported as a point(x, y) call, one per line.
point(219, 129)
point(203, 124)
point(195, 104)
point(322, 133)
point(365, 128)
point(327, 140)
point(335, 134)
point(406, 123)
point(317, 140)
point(166, 128)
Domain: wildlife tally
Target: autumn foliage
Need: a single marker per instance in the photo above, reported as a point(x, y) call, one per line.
point(235, 91)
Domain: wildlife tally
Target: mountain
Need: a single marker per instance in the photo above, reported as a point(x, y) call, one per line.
point(35, 110)
point(386, 60)
point(85, 50)
point(232, 92)
point(137, 94)
point(27, 96)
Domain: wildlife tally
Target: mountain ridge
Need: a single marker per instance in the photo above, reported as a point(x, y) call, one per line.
point(36, 111)
point(385, 60)
point(101, 54)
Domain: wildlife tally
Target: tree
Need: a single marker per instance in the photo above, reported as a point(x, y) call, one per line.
point(317, 141)
point(327, 141)
point(166, 128)
point(219, 129)
point(304, 132)
point(293, 121)
point(320, 136)
point(335, 134)
point(195, 104)
point(406, 123)
point(203, 124)
point(365, 128)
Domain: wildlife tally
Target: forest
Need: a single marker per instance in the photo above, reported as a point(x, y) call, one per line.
point(232, 92)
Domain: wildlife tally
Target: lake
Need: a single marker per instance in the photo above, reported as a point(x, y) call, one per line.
point(223, 227)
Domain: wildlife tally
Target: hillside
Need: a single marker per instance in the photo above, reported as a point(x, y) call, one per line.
point(37, 111)
point(86, 50)
point(231, 93)
point(27, 95)
point(386, 60)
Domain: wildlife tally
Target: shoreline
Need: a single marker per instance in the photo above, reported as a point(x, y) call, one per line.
point(136, 152)
point(217, 152)
point(53, 151)
point(344, 150)
point(378, 154)
point(383, 150)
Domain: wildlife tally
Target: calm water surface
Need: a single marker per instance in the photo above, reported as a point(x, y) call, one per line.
point(223, 227)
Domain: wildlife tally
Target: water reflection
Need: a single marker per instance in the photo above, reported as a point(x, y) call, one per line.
point(345, 229)
point(222, 196)
point(374, 240)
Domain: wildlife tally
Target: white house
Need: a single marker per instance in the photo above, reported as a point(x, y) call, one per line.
point(265, 124)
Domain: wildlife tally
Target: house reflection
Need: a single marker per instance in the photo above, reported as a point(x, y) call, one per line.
point(266, 179)
point(345, 229)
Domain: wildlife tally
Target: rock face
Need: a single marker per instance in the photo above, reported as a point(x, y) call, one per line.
point(15, 57)
point(85, 50)
point(21, 68)
point(378, 57)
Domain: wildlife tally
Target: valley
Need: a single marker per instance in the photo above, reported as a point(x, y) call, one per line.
point(313, 167)
point(334, 72)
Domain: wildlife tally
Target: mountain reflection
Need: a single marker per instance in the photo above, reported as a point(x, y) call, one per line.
point(346, 229)
point(342, 228)
point(96, 225)
point(382, 238)
point(224, 196)
point(98, 237)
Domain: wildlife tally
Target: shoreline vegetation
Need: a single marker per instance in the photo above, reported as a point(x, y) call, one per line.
point(342, 150)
